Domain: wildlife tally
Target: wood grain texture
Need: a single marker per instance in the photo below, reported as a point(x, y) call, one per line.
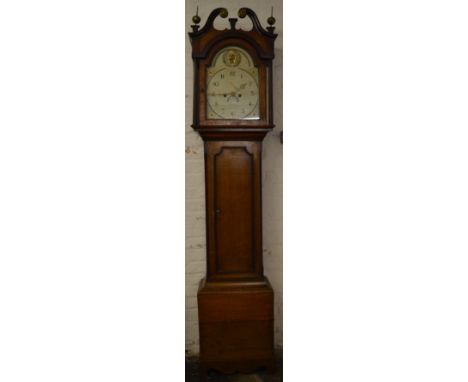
point(234, 216)
point(234, 210)
point(236, 327)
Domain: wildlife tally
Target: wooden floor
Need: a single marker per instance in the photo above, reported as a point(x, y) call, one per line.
point(192, 375)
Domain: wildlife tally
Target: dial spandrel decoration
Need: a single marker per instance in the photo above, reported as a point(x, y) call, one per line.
point(232, 86)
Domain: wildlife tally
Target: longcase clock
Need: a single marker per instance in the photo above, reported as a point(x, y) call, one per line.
point(233, 111)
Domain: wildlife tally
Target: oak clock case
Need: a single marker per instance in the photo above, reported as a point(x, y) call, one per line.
point(233, 113)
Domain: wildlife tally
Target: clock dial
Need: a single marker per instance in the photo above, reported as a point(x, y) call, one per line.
point(232, 86)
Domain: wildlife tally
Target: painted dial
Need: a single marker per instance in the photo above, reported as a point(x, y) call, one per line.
point(232, 86)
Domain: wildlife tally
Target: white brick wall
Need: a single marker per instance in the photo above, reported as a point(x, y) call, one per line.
point(272, 178)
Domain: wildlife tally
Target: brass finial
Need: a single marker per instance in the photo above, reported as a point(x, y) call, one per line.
point(223, 13)
point(271, 20)
point(196, 19)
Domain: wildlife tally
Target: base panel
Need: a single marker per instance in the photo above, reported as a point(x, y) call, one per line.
point(236, 327)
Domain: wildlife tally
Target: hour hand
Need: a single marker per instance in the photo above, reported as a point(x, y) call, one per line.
point(235, 87)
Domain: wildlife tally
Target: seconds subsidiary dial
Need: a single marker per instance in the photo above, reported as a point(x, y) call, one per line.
point(232, 86)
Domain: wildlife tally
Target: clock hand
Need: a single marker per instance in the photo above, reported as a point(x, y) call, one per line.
point(235, 87)
point(233, 95)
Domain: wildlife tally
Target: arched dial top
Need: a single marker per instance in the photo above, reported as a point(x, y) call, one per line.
point(232, 86)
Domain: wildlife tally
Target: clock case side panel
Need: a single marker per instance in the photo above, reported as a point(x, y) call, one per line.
point(196, 94)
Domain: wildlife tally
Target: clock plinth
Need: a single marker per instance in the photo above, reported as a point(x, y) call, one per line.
point(236, 326)
point(233, 111)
